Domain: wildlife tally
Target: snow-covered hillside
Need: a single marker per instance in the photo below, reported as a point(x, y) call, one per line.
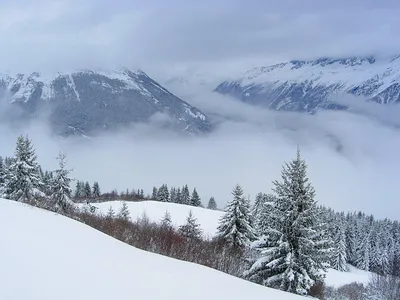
point(208, 219)
point(45, 256)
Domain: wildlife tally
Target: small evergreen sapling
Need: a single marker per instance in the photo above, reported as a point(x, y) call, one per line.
point(61, 190)
point(191, 229)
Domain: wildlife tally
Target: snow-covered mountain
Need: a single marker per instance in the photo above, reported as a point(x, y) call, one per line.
point(90, 100)
point(309, 85)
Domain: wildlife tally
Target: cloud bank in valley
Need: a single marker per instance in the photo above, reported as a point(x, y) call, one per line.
point(353, 160)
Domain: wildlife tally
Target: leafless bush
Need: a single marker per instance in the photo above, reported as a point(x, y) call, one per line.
point(383, 288)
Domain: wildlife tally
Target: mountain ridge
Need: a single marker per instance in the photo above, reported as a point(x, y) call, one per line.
point(308, 85)
point(86, 100)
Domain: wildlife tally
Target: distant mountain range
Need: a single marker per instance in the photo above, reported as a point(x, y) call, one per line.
point(87, 101)
point(306, 86)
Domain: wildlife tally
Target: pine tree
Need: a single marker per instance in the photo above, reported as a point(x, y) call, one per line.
point(87, 190)
point(22, 179)
point(293, 250)
point(258, 203)
point(235, 226)
point(172, 195)
point(178, 196)
point(191, 229)
point(124, 213)
point(141, 194)
point(96, 190)
point(195, 199)
point(185, 195)
point(339, 261)
point(61, 190)
point(262, 214)
point(154, 194)
point(163, 194)
point(166, 221)
point(2, 176)
point(110, 213)
point(212, 204)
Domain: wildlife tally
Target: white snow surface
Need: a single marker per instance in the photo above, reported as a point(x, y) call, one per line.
point(45, 256)
point(155, 211)
point(336, 278)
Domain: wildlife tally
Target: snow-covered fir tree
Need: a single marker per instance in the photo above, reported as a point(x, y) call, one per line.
point(163, 194)
point(191, 229)
point(339, 256)
point(87, 190)
point(178, 196)
point(79, 190)
point(293, 251)
point(96, 190)
point(110, 213)
point(124, 213)
point(22, 181)
point(212, 204)
point(195, 199)
point(262, 213)
point(172, 195)
point(235, 226)
point(154, 194)
point(185, 195)
point(61, 190)
point(166, 221)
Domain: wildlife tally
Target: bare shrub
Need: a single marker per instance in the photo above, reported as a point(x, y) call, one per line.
point(383, 288)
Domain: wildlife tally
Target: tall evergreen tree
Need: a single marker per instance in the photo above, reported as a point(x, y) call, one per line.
point(212, 204)
point(235, 226)
point(195, 199)
point(154, 194)
point(172, 195)
point(163, 194)
point(87, 190)
point(166, 221)
point(178, 196)
point(96, 190)
point(185, 195)
point(293, 251)
point(23, 180)
point(61, 190)
point(339, 261)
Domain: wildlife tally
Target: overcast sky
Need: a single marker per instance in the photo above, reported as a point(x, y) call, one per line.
point(353, 157)
point(59, 35)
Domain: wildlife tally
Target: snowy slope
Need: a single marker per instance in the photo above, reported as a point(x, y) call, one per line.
point(308, 85)
point(44, 256)
point(208, 219)
point(335, 278)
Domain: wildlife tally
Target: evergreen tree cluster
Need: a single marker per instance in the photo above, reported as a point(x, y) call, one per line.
point(177, 195)
point(366, 243)
point(22, 179)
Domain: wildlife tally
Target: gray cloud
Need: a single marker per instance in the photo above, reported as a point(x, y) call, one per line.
point(69, 34)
